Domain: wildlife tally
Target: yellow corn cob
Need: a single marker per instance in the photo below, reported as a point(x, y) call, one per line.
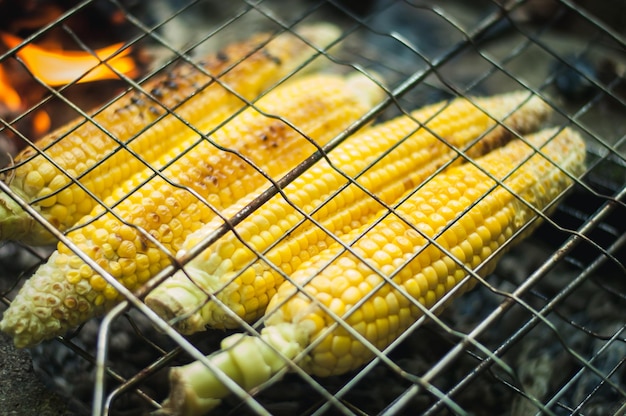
point(224, 270)
point(463, 210)
point(85, 152)
point(65, 291)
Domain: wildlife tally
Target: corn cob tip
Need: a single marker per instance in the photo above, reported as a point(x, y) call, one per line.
point(14, 221)
point(320, 34)
point(18, 225)
point(172, 303)
point(365, 86)
point(49, 305)
point(249, 361)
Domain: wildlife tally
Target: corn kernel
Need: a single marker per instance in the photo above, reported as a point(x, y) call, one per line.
point(110, 293)
point(413, 287)
point(33, 182)
point(73, 277)
point(75, 262)
point(128, 266)
point(126, 232)
point(337, 306)
point(43, 201)
point(351, 296)
point(114, 241)
point(85, 271)
point(339, 285)
point(97, 283)
point(341, 345)
point(143, 276)
point(58, 182)
point(115, 269)
point(47, 171)
point(59, 215)
point(382, 327)
point(154, 255)
point(371, 331)
point(97, 301)
point(127, 249)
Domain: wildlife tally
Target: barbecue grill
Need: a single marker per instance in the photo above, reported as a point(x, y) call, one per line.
point(545, 333)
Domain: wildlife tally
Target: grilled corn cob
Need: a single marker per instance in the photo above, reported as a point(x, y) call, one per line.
point(400, 262)
point(136, 128)
point(65, 291)
point(228, 268)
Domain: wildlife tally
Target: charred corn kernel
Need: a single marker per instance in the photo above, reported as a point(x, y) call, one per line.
point(100, 154)
point(294, 321)
point(321, 106)
point(418, 152)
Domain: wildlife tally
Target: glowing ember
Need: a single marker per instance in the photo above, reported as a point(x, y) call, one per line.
point(60, 67)
point(41, 122)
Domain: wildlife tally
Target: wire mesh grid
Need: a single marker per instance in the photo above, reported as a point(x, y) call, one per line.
point(543, 333)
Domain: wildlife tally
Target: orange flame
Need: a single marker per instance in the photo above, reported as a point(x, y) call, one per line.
point(41, 122)
point(56, 67)
point(60, 67)
point(10, 97)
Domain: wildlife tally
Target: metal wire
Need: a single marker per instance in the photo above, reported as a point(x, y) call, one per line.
point(589, 244)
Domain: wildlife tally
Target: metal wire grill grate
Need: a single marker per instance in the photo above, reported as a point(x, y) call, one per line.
point(544, 333)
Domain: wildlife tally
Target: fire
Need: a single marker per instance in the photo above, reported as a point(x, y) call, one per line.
point(60, 67)
point(10, 97)
point(57, 67)
point(41, 122)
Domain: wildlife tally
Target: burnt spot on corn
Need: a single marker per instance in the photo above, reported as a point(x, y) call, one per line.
point(273, 58)
point(213, 179)
point(408, 183)
point(273, 134)
point(497, 138)
point(155, 111)
point(137, 100)
point(143, 242)
point(222, 56)
point(157, 92)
